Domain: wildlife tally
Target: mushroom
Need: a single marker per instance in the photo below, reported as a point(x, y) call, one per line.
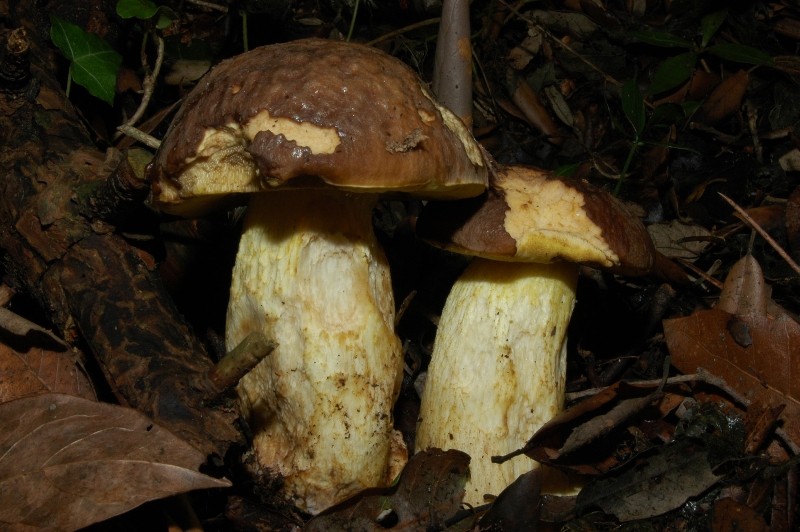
point(497, 371)
point(314, 130)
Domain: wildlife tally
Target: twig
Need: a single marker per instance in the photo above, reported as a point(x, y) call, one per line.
point(149, 80)
point(752, 223)
point(141, 136)
point(236, 364)
point(405, 29)
point(700, 375)
point(562, 44)
point(209, 5)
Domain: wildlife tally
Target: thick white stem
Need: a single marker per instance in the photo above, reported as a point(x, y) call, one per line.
point(498, 367)
point(311, 276)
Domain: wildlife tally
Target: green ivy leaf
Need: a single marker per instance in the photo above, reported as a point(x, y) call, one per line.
point(141, 9)
point(673, 72)
point(710, 24)
point(633, 106)
point(661, 38)
point(741, 53)
point(94, 64)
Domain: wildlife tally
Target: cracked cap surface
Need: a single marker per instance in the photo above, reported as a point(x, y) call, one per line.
point(307, 113)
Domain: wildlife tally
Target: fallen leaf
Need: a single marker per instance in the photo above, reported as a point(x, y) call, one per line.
point(66, 462)
point(790, 161)
point(429, 490)
point(679, 240)
point(38, 371)
point(517, 506)
point(534, 110)
point(728, 515)
point(652, 484)
point(18, 326)
point(747, 341)
point(695, 89)
point(589, 421)
point(726, 98)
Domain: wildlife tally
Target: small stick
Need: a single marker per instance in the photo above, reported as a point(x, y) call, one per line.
point(208, 5)
point(752, 223)
point(236, 364)
point(149, 82)
point(141, 136)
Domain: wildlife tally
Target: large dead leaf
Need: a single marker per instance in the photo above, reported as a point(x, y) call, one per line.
point(749, 342)
point(517, 506)
point(653, 485)
point(429, 490)
point(587, 426)
point(66, 462)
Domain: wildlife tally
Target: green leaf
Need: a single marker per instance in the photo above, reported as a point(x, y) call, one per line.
point(94, 64)
point(166, 16)
point(567, 170)
point(633, 106)
point(673, 72)
point(741, 53)
point(141, 9)
point(710, 24)
point(661, 38)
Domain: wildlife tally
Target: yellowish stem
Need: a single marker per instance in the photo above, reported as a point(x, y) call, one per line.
point(311, 275)
point(498, 367)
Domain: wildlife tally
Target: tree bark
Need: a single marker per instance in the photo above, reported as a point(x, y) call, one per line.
point(94, 285)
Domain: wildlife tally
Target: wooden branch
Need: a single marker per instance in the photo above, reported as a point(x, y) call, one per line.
point(94, 284)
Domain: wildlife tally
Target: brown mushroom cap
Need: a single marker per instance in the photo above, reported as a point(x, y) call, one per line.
point(309, 112)
point(533, 216)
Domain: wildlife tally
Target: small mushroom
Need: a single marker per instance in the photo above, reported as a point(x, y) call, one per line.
point(498, 368)
point(314, 130)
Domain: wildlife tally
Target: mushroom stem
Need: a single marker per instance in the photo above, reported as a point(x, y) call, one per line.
point(497, 371)
point(310, 274)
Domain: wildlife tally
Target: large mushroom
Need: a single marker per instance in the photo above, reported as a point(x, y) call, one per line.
point(498, 367)
point(314, 130)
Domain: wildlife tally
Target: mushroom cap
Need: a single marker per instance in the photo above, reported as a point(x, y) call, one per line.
point(531, 215)
point(308, 113)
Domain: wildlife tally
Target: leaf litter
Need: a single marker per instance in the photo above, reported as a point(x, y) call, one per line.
point(66, 462)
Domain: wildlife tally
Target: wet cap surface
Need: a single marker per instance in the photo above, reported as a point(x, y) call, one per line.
point(310, 112)
point(530, 215)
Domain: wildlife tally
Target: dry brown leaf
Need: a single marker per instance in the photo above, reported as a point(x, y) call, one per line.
point(752, 350)
point(585, 424)
point(693, 90)
point(39, 371)
point(16, 325)
point(652, 485)
point(679, 240)
point(534, 110)
point(728, 515)
point(66, 462)
point(429, 490)
point(726, 98)
point(517, 506)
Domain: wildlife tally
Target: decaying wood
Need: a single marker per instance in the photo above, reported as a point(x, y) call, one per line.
point(95, 285)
